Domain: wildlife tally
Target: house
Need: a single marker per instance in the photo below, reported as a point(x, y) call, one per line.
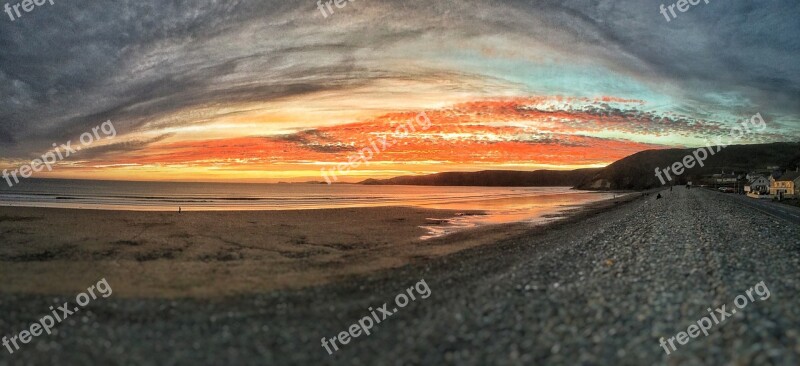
point(758, 183)
point(788, 185)
point(758, 173)
point(725, 178)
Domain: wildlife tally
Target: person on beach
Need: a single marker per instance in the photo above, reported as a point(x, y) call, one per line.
point(179, 209)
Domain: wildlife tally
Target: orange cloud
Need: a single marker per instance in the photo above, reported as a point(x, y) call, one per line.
point(526, 133)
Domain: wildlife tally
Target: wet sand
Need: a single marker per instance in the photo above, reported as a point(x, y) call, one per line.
point(212, 254)
point(218, 254)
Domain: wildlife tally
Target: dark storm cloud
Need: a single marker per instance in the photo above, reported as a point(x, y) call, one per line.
point(75, 64)
point(734, 46)
point(724, 47)
point(67, 66)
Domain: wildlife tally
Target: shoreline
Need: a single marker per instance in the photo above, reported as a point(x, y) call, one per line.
point(227, 253)
point(621, 276)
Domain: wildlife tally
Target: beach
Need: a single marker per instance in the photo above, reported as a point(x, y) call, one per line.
point(201, 254)
point(220, 244)
point(601, 286)
point(399, 183)
point(210, 254)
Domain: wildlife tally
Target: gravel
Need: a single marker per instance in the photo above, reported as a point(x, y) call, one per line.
point(597, 289)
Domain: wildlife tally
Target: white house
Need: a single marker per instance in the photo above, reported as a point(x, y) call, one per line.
point(758, 183)
point(758, 173)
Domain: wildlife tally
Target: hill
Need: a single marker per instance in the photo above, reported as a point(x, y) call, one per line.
point(493, 178)
point(638, 170)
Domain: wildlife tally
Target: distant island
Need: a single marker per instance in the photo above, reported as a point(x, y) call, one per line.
point(635, 172)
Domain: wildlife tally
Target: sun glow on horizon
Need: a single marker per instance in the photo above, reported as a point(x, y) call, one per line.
point(531, 133)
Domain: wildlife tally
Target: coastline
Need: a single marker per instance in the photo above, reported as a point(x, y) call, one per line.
point(619, 275)
point(219, 254)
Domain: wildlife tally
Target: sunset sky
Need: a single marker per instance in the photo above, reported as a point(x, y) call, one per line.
point(273, 91)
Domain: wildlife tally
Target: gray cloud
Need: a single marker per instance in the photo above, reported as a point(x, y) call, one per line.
point(75, 64)
point(92, 152)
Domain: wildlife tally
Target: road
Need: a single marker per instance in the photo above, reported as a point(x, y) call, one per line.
point(779, 210)
point(601, 289)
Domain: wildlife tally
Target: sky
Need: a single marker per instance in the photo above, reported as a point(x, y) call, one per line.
point(268, 91)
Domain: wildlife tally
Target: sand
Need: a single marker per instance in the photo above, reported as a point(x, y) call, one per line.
point(208, 254)
point(216, 254)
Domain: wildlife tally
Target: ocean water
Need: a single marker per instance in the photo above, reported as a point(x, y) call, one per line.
point(502, 205)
